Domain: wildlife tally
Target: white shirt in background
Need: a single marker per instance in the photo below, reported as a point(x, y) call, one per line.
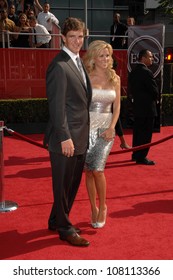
point(45, 38)
point(43, 18)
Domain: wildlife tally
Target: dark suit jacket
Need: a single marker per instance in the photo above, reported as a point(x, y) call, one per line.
point(120, 30)
point(144, 90)
point(68, 100)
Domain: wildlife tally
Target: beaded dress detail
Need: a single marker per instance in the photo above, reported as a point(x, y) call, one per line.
point(100, 119)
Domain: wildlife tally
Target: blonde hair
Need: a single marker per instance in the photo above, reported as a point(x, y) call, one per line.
point(93, 51)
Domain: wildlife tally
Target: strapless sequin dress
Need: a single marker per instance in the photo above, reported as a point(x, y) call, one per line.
point(100, 119)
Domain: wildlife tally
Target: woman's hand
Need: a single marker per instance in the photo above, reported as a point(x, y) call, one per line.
point(108, 134)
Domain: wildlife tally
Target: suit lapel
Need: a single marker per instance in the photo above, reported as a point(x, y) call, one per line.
point(75, 70)
point(73, 66)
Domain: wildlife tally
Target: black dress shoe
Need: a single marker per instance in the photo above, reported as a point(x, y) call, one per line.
point(54, 228)
point(145, 161)
point(75, 240)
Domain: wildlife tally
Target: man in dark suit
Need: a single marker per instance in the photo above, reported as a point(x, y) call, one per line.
point(117, 29)
point(67, 135)
point(144, 91)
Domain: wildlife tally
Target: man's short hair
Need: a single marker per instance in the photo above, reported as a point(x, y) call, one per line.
point(74, 24)
point(143, 53)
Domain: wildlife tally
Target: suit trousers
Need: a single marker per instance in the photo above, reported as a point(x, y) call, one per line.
point(66, 178)
point(142, 134)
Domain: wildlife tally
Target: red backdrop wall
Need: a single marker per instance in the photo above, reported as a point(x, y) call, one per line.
point(22, 72)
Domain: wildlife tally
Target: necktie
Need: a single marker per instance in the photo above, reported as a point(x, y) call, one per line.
point(35, 38)
point(115, 29)
point(80, 67)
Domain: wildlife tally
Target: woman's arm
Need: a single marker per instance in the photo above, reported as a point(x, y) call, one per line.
point(109, 133)
point(38, 5)
point(116, 104)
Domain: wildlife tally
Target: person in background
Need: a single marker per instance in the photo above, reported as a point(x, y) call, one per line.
point(32, 4)
point(12, 14)
point(6, 25)
point(118, 126)
point(22, 40)
point(24, 5)
point(27, 8)
point(19, 7)
point(49, 21)
point(37, 40)
point(144, 91)
point(69, 94)
point(46, 18)
point(106, 93)
point(120, 133)
point(130, 22)
point(117, 29)
point(3, 5)
point(30, 13)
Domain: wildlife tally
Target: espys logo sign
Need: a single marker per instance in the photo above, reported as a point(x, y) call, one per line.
point(150, 43)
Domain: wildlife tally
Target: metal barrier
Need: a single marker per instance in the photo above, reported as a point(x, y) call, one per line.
point(5, 206)
point(6, 37)
point(56, 42)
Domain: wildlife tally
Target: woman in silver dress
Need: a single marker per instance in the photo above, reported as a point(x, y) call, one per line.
point(104, 113)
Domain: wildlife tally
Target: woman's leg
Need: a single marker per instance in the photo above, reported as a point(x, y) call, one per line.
point(100, 183)
point(119, 132)
point(91, 189)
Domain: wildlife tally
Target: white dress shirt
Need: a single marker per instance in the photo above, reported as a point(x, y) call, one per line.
point(73, 57)
point(43, 20)
point(71, 54)
point(40, 29)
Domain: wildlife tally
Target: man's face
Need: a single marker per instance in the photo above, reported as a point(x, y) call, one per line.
point(116, 18)
point(32, 23)
point(130, 21)
point(12, 10)
point(46, 8)
point(74, 40)
point(3, 14)
point(148, 59)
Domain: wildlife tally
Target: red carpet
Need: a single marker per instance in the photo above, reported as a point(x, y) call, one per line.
point(139, 199)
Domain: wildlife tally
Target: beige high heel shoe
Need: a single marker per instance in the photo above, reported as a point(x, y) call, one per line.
point(102, 224)
point(125, 146)
point(94, 218)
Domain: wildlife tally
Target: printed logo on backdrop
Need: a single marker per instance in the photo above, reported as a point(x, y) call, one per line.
point(151, 44)
point(146, 37)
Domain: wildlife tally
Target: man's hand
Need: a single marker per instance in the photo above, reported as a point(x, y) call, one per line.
point(67, 148)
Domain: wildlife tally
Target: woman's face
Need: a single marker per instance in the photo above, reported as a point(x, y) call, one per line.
point(103, 59)
point(23, 19)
